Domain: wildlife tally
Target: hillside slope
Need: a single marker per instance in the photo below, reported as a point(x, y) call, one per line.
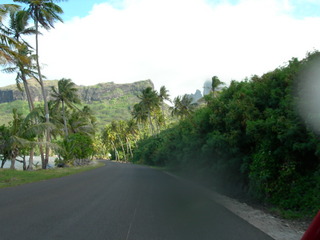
point(109, 101)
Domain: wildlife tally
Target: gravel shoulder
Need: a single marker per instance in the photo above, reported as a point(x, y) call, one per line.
point(275, 227)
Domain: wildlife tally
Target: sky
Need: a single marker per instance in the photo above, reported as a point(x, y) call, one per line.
point(178, 44)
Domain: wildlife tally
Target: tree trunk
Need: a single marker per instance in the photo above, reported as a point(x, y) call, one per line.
point(130, 148)
point(26, 88)
point(41, 153)
point(3, 162)
point(115, 151)
point(150, 122)
point(31, 107)
point(24, 163)
point(30, 167)
point(46, 108)
point(164, 117)
point(13, 161)
point(122, 147)
point(64, 120)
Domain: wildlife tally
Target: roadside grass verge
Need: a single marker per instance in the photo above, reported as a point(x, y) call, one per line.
point(10, 178)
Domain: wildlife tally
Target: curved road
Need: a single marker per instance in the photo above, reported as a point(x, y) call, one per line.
point(117, 202)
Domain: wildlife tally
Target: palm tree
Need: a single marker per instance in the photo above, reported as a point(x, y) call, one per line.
point(164, 96)
point(82, 121)
point(215, 84)
point(131, 132)
point(65, 95)
point(23, 59)
point(18, 27)
point(7, 43)
point(21, 135)
point(149, 103)
point(183, 107)
point(45, 13)
point(139, 114)
point(108, 136)
point(118, 129)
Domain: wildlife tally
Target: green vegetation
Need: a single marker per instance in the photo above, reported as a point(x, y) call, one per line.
point(10, 178)
point(249, 139)
point(105, 111)
point(6, 110)
point(75, 147)
point(113, 110)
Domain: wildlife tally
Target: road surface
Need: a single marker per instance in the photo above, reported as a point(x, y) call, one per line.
point(117, 202)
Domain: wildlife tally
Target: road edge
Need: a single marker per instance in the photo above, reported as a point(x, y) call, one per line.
point(276, 228)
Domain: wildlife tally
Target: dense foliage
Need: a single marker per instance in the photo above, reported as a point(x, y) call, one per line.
point(105, 111)
point(76, 148)
point(249, 138)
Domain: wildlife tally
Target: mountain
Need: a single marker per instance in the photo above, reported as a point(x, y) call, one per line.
point(109, 101)
point(196, 96)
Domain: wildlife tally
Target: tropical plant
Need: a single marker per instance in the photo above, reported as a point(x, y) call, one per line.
point(7, 43)
point(109, 137)
point(76, 149)
point(82, 121)
point(164, 96)
point(131, 134)
point(139, 114)
point(215, 83)
point(44, 13)
point(20, 135)
point(65, 95)
point(18, 26)
point(149, 104)
point(118, 128)
point(183, 106)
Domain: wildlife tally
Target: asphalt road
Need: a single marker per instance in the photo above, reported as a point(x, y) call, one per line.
point(117, 202)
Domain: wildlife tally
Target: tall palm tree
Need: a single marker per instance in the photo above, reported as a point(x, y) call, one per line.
point(21, 135)
point(7, 43)
point(118, 128)
point(149, 102)
point(131, 132)
point(163, 96)
point(23, 61)
point(108, 136)
point(215, 84)
point(82, 121)
point(18, 26)
point(44, 13)
point(183, 106)
point(139, 114)
point(65, 95)
point(11, 139)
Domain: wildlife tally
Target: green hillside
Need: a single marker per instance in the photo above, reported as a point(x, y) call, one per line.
point(108, 101)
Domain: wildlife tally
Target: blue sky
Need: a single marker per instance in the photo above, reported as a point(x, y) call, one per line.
point(176, 43)
point(81, 8)
point(76, 8)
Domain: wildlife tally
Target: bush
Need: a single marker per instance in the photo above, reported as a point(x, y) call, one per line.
point(76, 149)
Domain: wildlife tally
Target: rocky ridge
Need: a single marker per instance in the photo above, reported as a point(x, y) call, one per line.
point(88, 94)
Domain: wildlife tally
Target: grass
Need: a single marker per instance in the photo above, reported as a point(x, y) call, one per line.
point(10, 178)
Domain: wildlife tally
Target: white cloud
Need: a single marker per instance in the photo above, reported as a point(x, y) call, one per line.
point(177, 43)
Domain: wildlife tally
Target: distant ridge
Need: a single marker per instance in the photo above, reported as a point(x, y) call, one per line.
point(88, 94)
point(108, 101)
